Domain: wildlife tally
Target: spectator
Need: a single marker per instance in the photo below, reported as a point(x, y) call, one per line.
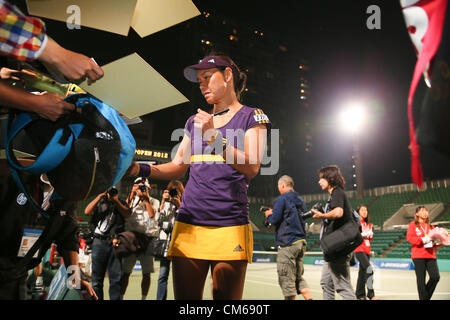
point(422, 253)
point(166, 219)
point(336, 272)
point(290, 239)
point(108, 216)
point(212, 228)
point(142, 220)
point(362, 253)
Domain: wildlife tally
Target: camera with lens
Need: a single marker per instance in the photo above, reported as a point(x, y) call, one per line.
point(113, 192)
point(263, 209)
point(142, 187)
point(309, 214)
point(173, 193)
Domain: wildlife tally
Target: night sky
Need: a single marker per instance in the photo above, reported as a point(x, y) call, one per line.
point(347, 62)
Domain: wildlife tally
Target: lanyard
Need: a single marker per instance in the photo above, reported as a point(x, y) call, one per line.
point(425, 232)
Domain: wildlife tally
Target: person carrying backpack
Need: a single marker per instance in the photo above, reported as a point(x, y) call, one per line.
point(290, 239)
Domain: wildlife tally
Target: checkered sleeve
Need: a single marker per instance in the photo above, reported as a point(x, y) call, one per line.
point(21, 37)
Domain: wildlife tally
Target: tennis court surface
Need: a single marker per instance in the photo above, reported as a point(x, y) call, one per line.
point(262, 284)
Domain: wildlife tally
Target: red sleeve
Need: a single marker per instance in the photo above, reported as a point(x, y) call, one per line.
point(412, 236)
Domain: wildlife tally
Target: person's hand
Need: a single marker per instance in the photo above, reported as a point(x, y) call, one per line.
point(89, 289)
point(74, 66)
point(142, 195)
point(268, 212)
point(51, 106)
point(317, 214)
point(204, 121)
point(6, 73)
point(113, 198)
point(176, 200)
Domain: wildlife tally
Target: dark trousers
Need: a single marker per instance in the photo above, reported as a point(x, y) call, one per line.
point(365, 277)
point(13, 290)
point(421, 267)
point(103, 259)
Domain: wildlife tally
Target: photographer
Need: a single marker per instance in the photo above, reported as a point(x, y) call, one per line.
point(142, 221)
point(170, 203)
point(109, 215)
point(290, 239)
point(336, 271)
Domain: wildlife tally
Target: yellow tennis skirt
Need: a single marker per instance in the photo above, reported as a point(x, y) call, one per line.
point(211, 243)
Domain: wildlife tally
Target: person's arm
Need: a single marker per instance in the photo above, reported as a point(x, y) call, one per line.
point(412, 236)
point(337, 203)
point(27, 41)
point(174, 169)
point(246, 162)
point(131, 195)
point(47, 105)
point(176, 201)
point(73, 270)
point(24, 37)
point(124, 210)
point(165, 198)
point(336, 213)
point(146, 199)
point(72, 65)
point(89, 210)
point(275, 215)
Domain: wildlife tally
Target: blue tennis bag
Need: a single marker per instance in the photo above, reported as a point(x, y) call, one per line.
point(83, 153)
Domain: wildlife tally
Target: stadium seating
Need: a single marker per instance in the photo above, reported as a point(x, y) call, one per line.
point(431, 195)
point(383, 240)
point(355, 203)
point(256, 216)
point(263, 241)
point(403, 250)
point(312, 242)
point(386, 205)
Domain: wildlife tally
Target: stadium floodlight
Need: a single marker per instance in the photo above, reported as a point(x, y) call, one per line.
point(353, 117)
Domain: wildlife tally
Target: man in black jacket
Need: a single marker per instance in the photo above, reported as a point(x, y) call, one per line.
point(109, 215)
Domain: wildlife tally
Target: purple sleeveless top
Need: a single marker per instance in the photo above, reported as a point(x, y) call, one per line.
point(216, 194)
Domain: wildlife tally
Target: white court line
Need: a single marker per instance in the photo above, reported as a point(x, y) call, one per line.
point(410, 294)
point(379, 292)
point(276, 285)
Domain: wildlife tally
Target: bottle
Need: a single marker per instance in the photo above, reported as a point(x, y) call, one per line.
point(45, 83)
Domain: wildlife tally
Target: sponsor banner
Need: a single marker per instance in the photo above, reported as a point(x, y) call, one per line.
point(380, 263)
point(395, 264)
point(137, 266)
